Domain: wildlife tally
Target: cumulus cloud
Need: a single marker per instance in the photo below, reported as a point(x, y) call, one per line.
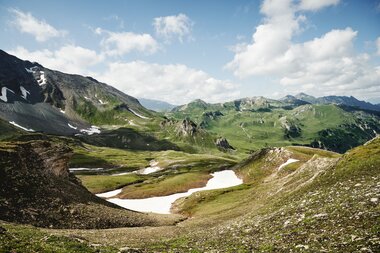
point(174, 83)
point(313, 5)
point(176, 26)
point(27, 23)
point(325, 65)
point(120, 43)
point(69, 58)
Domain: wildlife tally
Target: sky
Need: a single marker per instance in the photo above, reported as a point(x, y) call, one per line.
point(216, 50)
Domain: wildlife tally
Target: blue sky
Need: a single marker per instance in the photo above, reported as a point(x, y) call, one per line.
point(178, 51)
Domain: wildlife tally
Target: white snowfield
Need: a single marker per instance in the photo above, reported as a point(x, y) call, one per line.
point(109, 194)
point(102, 102)
point(145, 171)
point(24, 92)
point(71, 126)
point(138, 115)
point(24, 128)
point(85, 169)
point(90, 131)
point(42, 79)
point(289, 161)
point(4, 94)
point(30, 70)
point(221, 179)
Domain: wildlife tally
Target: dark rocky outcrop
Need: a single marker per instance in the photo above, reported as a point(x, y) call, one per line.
point(223, 144)
point(37, 188)
point(187, 128)
point(50, 101)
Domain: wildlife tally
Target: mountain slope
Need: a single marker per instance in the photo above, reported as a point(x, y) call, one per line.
point(343, 100)
point(253, 123)
point(41, 99)
point(37, 188)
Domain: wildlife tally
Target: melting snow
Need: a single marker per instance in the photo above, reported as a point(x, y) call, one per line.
point(71, 126)
point(86, 169)
point(4, 94)
point(109, 194)
point(101, 102)
point(86, 98)
point(62, 111)
point(91, 130)
point(138, 115)
point(291, 160)
point(24, 128)
point(30, 70)
point(221, 179)
point(151, 169)
point(24, 92)
point(42, 79)
point(122, 174)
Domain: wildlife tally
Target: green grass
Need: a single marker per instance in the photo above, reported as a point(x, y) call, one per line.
point(103, 183)
point(28, 239)
point(165, 186)
point(254, 129)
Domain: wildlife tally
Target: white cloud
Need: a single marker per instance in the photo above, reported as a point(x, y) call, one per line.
point(69, 58)
point(324, 66)
point(118, 44)
point(174, 83)
point(314, 5)
point(41, 30)
point(378, 46)
point(168, 27)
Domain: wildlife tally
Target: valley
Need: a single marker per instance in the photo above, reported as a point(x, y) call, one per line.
point(87, 168)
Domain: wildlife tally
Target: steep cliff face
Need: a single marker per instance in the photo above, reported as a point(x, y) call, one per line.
point(37, 188)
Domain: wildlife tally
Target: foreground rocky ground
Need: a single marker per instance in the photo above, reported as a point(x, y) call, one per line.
point(322, 203)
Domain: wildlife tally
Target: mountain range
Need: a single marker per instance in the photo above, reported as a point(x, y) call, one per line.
point(308, 167)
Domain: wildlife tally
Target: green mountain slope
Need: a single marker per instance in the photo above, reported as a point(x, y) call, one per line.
point(258, 122)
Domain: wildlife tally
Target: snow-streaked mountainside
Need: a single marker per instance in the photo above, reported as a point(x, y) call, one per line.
point(34, 97)
point(156, 105)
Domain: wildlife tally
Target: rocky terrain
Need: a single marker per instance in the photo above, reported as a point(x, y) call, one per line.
point(40, 99)
point(37, 188)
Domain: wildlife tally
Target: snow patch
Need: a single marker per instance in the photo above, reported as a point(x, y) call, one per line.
point(71, 126)
point(4, 94)
point(42, 80)
point(86, 98)
point(91, 130)
point(221, 179)
point(289, 161)
point(62, 111)
point(85, 169)
point(109, 194)
point(138, 115)
point(24, 128)
point(122, 174)
point(132, 123)
point(24, 92)
point(30, 70)
point(101, 102)
point(151, 169)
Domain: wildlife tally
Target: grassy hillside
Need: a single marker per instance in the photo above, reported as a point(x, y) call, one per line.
point(324, 202)
point(267, 123)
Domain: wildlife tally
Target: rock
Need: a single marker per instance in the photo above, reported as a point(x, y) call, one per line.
point(187, 128)
point(2, 230)
point(223, 144)
point(129, 250)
